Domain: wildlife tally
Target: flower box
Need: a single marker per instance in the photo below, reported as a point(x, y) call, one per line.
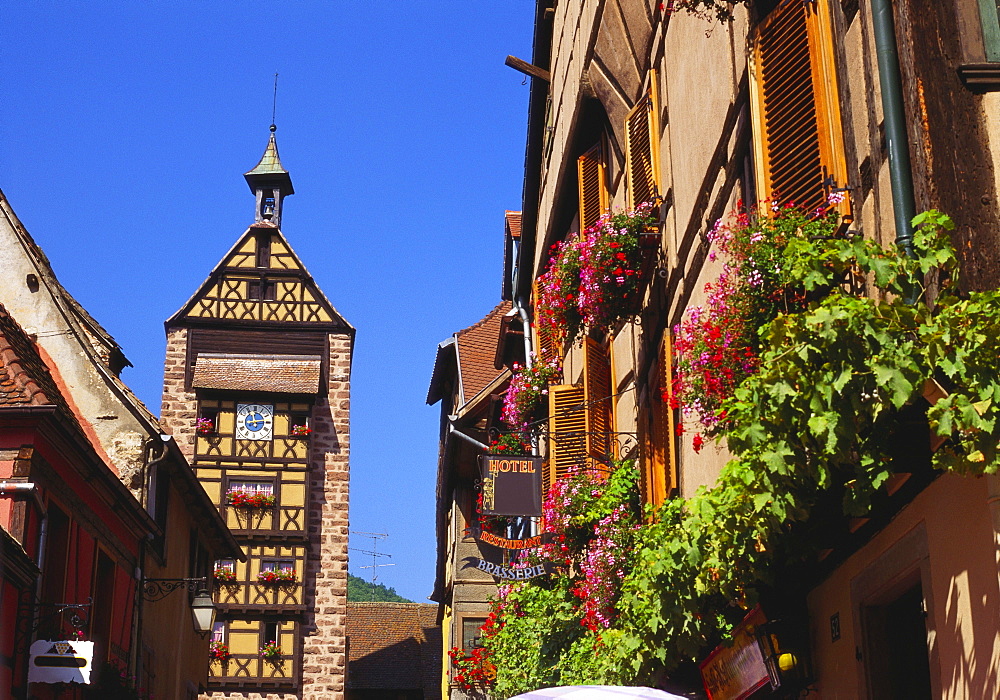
point(205, 426)
point(218, 651)
point(300, 431)
point(224, 574)
point(281, 576)
point(271, 651)
point(249, 499)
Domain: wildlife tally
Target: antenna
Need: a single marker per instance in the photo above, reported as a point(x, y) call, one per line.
point(374, 553)
point(274, 103)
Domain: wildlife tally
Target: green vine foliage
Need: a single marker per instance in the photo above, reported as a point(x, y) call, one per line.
point(817, 419)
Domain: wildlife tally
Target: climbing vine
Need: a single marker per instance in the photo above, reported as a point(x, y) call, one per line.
point(817, 418)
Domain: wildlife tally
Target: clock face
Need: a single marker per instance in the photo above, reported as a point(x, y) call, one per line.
point(254, 421)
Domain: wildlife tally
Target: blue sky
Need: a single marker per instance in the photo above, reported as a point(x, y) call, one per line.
point(126, 130)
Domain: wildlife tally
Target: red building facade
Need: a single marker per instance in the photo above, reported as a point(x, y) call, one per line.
point(71, 531)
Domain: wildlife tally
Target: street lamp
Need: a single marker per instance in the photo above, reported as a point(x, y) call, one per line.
point(202, 607)
point(203, 611)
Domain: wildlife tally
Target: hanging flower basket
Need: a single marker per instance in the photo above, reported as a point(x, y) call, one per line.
point(593, 279)
point(218, 651)
point(249, 499)
point(526, 394)
point(510, 444)
point(281, 576)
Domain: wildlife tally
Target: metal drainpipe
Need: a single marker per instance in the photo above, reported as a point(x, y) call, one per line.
point(900, 172)
point(137, 618)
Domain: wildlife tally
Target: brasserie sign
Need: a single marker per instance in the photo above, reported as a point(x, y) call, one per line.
point(511, 485)
point(506, 572)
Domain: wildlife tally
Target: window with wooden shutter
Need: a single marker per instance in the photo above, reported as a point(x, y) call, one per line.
point(796, 115)
point(659, 457)
point(598, 392)
point(567, 432)
point(642, 147)
point(593, 186)
point(548, 344)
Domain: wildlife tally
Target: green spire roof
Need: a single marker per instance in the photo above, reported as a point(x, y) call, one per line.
point(269, 171)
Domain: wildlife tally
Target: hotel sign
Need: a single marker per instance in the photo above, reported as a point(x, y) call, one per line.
point(737, 671)
point(511, 485)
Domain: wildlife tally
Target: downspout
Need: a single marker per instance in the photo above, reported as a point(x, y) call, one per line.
point(900, 171)
point(141, 569)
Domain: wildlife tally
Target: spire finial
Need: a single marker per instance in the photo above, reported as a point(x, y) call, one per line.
point(274, 103)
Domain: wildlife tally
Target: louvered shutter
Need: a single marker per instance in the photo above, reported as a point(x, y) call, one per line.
point(659, 464)
point(567, 432)
point(548, 345)
point(797, 131)
point(642, 148)
point(597, 387)
point(592, 184)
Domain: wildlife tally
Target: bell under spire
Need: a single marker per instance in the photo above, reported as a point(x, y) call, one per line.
point(270, 182)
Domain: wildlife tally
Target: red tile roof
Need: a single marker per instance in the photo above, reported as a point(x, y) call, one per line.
point(394, 646)
point(513, 224)
point(286, 374)
point(477, 349)
point(24, 377)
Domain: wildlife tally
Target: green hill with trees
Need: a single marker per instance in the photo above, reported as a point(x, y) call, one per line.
point(361, 591)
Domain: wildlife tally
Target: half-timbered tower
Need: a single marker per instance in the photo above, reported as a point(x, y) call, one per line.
point(257, 392)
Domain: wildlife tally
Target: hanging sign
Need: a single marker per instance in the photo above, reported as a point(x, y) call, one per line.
point(60, 662)
point(508, 573)
point(737, 671)
point(511, 485)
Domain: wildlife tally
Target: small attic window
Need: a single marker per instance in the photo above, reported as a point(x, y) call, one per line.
point(260, 290)
point(264, 250)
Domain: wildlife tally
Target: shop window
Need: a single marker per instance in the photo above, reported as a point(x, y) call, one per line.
point(795, 104)
point(471, 634)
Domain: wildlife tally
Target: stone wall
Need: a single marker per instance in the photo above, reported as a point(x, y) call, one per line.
point(324, 644)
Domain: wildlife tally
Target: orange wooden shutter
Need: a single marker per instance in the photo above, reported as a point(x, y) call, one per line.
point(664, 426)
point(567, 432)
point(592, 183)
point(598, 390)
point(642, 147)
point(797, 132)
point(548, 345)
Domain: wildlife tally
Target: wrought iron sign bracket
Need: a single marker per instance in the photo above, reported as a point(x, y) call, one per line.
point(154, 589)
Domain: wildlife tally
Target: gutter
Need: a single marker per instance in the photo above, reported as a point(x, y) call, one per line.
point(523, 271)
point(900, 170)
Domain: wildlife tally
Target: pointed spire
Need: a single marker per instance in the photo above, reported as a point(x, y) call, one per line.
point(270, 182)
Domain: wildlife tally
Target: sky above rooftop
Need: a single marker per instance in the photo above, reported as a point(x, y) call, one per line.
point(127, 127)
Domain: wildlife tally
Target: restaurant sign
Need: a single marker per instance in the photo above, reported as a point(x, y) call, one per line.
point(511, 485)
point(504, 543)
point(737, 671)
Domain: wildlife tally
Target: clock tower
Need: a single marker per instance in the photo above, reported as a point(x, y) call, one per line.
point(257, 393)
